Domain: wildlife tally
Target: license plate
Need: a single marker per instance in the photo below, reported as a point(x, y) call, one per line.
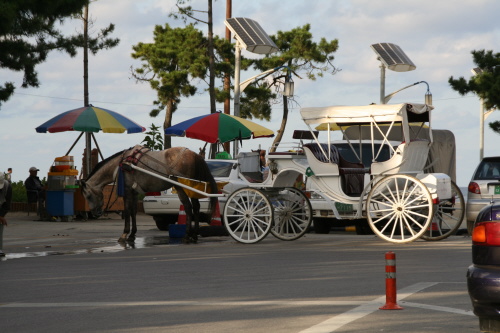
point(343, 208)
point(497, 189)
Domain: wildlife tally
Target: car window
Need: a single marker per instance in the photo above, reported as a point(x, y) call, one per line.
point(488, 169)
point(347, 153)
point(220, 168)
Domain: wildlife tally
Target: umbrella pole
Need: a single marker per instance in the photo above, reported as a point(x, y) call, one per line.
point(97, 146)
point(74, 143)
point(88, 146)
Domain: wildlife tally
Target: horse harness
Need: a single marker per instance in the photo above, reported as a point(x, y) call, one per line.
point(135, 159)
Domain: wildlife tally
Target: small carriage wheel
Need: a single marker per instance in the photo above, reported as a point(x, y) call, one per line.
point(248, 215)
point(292, 214)
point(399, 208)
point(448, 216)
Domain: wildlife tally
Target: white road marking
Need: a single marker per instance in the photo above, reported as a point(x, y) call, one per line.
point(181, 303)
point(437, 308)
point(363, 308)
point(332, 324)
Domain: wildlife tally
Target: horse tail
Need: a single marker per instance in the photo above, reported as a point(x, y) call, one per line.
point(203, 173)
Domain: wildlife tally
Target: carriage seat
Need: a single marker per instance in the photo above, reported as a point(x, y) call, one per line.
point(316, 150)
point(351, 174)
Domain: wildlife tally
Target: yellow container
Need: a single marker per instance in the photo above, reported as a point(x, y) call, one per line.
point(199, 185)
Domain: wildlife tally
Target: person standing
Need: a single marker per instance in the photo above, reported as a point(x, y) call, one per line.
point(8, 175)
point(5, 199)
point(35, 190)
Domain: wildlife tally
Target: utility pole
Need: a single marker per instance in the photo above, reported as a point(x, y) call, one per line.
point(227, 77)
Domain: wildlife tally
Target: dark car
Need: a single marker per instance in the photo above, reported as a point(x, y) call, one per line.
point(483, 276)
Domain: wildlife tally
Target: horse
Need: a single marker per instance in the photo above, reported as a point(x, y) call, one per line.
point(172, 163)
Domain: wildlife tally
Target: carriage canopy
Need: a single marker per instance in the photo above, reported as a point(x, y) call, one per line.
point(379, 113)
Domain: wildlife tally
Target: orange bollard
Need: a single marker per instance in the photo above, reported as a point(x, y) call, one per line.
point(182, 215)
point(216, 221)
point(390, 283)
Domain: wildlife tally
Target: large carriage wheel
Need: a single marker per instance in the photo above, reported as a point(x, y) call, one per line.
point(448, 216)
point(248, 215)
point(399, 208)
point(292, 214)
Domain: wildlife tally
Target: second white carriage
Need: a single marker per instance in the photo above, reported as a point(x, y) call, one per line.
point(391, 187)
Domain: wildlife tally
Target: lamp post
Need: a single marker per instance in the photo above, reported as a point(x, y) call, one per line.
point(482, 117)
point(427, 98)
point(238, 89)
point(391, 56)
point(249, 35)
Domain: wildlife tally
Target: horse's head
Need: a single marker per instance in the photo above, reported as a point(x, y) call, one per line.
point(94, 197)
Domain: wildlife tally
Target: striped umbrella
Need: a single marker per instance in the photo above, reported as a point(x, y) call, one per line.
point(90, 119)
point(219, 127)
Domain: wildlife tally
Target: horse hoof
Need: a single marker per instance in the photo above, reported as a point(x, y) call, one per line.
point(131, 239)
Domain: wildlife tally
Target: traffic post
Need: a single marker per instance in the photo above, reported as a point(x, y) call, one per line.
point(390, 283)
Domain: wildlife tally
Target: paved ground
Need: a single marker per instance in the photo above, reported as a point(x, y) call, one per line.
point(26, 237)
point(75, 277)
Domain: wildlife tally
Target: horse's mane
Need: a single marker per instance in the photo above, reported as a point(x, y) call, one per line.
point(103, 162)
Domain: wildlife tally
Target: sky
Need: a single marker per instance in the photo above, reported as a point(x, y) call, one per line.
point(438, 36)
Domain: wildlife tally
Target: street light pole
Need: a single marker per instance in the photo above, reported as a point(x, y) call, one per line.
point(481, 129)
point(382, 83)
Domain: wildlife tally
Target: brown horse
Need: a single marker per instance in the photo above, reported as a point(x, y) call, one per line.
point(172, 163)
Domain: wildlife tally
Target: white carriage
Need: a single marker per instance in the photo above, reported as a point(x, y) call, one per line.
point(400, 201)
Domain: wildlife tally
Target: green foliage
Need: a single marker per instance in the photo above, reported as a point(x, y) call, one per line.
point(297, 53)
point(154, 138)
point(27, 35)
point(171, 62)
point(486, 85)
point(256, 101)
point(174, 63)
point(19, 192)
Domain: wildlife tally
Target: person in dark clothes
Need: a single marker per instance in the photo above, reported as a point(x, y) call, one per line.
point(5, 199)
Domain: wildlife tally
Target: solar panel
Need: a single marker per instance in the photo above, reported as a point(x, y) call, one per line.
point(476, 71)
point(251, 35)
point(393, 57)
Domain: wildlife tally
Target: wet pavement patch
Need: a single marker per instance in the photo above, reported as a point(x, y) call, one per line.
point(139, 243)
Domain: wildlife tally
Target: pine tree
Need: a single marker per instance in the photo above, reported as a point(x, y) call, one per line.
point(28, 34)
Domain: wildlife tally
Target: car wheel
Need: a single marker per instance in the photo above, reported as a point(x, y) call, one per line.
point(322, 226)
point(163, 221)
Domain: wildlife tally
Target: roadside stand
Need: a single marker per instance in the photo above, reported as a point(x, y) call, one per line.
point(64, 197)
point(61, 186)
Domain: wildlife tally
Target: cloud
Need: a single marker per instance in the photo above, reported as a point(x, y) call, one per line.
point(437, 35)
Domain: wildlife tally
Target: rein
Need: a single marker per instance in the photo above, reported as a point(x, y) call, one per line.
point(115, 177)
point(136, 156)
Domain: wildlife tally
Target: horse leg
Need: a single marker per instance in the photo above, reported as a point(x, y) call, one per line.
point(126, 227)
point(132, 202)
point(188, 208)
point(196, 215)
point(127, 212)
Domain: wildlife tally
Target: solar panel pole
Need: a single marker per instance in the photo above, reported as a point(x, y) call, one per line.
point(237, 66)
point(237, 91)
point(382, 82)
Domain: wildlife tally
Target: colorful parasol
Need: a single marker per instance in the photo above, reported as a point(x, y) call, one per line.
point(90, 119)
point(219, 127)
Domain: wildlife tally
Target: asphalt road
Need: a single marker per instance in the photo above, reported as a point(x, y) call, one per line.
point(75, 277)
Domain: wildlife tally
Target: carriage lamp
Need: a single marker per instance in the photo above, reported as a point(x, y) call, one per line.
point(428, 97)
point(273, 167)
point(288, 90)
